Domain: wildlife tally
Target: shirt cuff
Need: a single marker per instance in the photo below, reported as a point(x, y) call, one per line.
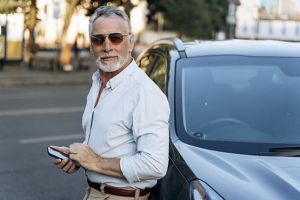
point(128, 170)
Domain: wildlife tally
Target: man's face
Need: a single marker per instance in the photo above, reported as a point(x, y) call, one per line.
point(110, 55)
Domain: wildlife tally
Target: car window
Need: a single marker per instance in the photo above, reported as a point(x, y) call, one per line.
point(158, 73)
point(155, 66)
point(146, 63)
point(239, 99)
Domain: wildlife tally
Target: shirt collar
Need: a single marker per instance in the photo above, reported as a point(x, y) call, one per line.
point(116, 80)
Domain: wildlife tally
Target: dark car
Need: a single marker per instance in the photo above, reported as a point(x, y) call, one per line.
point(235, 118)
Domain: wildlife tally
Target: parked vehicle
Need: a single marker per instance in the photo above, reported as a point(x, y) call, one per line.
point(235, 118)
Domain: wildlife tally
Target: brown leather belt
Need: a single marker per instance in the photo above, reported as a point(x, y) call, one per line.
point(117, 191)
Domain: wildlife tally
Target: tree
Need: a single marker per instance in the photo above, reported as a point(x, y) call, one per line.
point(62, 45)
point(218, 10)
point(193, 18)
point(30, 23)
point(9, 6)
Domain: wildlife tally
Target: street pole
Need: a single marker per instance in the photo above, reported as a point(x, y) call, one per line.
point(3, 42)
point(2, 47)
point(56, 15)
point(231, 18)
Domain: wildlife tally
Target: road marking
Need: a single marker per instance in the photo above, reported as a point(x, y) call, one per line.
point(39, 111)
point(51, 138)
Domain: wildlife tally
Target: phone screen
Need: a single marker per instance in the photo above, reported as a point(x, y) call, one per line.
point(56, 154)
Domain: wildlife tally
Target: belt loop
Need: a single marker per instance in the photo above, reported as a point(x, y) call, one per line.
point(136, 194)
point(87, 193)
point(102, 188)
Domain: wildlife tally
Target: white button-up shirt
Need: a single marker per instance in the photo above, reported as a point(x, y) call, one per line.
point(130, 122)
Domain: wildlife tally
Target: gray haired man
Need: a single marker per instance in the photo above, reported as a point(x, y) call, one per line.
point(125, 119)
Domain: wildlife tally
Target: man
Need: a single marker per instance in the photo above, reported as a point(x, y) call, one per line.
point(125, 120)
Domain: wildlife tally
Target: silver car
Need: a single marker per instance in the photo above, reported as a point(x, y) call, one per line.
point(235, 118)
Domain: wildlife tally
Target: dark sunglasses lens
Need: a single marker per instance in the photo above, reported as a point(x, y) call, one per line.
point(116, 38)
point(97, 39)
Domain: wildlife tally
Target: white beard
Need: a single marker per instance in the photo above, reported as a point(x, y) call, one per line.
point(109, 68)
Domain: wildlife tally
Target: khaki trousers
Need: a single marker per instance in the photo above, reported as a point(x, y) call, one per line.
point(93, 194)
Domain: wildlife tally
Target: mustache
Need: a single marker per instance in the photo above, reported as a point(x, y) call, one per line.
point(108, 55)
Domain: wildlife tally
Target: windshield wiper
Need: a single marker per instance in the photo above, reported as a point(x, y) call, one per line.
point(283, 151)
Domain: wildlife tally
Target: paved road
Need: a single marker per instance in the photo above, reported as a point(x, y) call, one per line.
point(31, 118)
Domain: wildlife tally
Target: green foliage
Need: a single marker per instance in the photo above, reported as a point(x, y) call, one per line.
point(9, 6)
point(218, 10)
point(193, 18)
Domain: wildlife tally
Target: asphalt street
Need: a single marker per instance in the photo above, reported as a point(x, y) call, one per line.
point(31, 118)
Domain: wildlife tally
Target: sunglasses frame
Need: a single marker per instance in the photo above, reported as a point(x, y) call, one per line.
point(99, 39)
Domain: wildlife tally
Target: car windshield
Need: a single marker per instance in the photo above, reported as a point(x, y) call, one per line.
point(239, 98)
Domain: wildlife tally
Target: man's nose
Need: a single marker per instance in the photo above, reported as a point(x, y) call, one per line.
point(107, 46)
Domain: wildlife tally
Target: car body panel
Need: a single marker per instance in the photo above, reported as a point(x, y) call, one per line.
point(244, 47)
point(238, 176)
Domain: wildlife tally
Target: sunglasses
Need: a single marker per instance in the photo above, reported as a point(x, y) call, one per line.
point(114, 38)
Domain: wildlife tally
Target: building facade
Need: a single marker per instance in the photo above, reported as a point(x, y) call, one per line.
point(273, 19)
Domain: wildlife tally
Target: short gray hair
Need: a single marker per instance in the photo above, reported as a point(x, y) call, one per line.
point(108, 11)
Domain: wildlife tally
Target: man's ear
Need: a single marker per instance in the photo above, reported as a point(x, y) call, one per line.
point(131, 43)
point(132, 38)
point(92, 52)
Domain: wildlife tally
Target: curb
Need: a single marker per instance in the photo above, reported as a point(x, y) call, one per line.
point(19, 79)
point(9, 83)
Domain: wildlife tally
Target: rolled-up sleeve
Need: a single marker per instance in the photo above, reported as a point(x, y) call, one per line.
point(150, 127)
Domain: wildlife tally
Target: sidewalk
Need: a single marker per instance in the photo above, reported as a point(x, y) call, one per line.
point(13, 75)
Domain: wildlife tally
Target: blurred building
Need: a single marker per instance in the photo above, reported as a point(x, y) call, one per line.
point(11, 34)
point(51, 14)
point(268, 19)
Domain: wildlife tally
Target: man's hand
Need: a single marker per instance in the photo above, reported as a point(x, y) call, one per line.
point(89, 160)
point(67, 166)
point(84, 155)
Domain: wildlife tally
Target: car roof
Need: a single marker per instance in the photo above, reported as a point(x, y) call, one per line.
point(242, 47)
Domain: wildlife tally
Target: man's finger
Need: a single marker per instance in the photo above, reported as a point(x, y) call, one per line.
point(73, 168)
point(62, 164)
point(68, 166)
point(56, 161)
point(61, 149)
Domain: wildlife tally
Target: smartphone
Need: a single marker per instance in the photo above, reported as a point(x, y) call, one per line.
point(57, 154)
